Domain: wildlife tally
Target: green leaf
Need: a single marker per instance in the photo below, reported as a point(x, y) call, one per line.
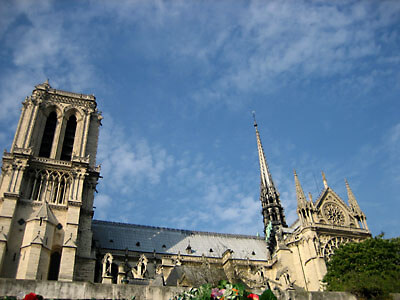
point(267, 295)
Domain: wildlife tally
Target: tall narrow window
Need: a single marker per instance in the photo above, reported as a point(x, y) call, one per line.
point(54, 267)
point(69, 137)
point(48, 135)
point(37, 184)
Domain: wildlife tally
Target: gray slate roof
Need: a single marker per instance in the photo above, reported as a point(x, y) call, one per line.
point(119, 236)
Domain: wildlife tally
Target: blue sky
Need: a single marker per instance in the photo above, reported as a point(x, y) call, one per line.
point(177, 82)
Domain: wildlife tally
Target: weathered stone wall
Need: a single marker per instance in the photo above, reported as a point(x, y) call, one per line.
point(84, 290)
point(87, 290)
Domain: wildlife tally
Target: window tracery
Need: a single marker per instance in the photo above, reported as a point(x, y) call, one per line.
point(51, 186)
point(332, 244)
point(334, 214)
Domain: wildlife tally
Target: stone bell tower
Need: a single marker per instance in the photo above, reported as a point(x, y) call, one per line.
point(47, 188)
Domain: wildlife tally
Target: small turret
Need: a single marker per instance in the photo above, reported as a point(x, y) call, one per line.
point(358, 214)
point(352, 199)
point(304, 208)
point(301, 198)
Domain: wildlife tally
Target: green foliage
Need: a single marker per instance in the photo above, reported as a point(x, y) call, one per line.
point(369, 269)
point(267, 295)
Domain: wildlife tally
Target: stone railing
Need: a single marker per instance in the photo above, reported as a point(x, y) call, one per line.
point(52, 161)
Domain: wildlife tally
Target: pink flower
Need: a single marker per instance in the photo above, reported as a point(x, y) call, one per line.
point(215, 293)
point(253, 297)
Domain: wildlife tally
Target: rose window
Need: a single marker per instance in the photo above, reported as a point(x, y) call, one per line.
point(334, 214)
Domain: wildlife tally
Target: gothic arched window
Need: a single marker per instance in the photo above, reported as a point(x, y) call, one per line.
point(48, 135)
point(69, 138)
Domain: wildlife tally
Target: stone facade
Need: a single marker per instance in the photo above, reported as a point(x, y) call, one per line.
point(47, 189)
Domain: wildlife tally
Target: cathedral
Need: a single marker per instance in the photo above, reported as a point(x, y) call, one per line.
point(47, 232)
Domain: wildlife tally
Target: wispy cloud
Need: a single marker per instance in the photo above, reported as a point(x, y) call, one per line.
point(264, 46)
point(188, 191)
point(259, 48)
point(42, 45)
point(230, 53)
point(129, 163)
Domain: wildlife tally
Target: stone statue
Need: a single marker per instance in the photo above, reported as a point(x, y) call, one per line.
point(107, 262)
point(141, 267)
point(254, 279)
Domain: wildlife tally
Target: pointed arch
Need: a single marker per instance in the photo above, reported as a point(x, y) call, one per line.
point(69, 138)
point(48, 135)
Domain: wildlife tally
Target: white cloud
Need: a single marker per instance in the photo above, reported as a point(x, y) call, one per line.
point(255, 48)
point(41, 47)
point(265, 45)
point(129, 163)
point(102, 204)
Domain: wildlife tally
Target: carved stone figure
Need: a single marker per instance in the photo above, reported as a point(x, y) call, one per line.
point(253, 279)
point(139, 271)
point(107, 262)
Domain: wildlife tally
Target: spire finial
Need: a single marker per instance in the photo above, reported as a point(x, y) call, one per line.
point(266, 178)
point(351, 198)
point(324, 180)
point(254, 118)
point(301, 198)
point(47, 84)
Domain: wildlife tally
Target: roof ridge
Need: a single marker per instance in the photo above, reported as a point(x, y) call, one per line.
point(181, 230)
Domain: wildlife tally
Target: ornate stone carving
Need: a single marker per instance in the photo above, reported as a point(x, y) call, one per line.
point(253, 278)
point(141, 267)
point(107, 262)
point(334, 214)
point(334, 243)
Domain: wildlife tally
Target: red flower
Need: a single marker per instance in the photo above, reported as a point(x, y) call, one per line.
point(30, 296)
point(253, 297)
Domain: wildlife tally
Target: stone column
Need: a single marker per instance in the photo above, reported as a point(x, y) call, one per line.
point(58, 138)
point(17, 139)
point(67, 264)
point(85, 133)
point(30, 124)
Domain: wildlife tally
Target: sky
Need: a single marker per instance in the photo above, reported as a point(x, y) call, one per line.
point(177, 82)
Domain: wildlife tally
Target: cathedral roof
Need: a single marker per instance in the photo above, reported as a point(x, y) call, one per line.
point(119, 236)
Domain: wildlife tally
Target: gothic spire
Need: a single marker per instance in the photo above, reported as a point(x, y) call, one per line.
point(272, 210)
point(352, 199)
point(301, 198)
point(266, 178)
